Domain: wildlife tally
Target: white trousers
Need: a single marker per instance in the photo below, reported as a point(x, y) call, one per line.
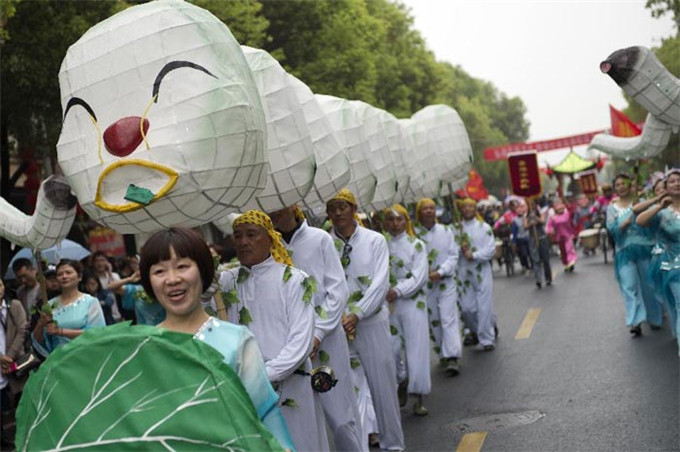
point(476, 303)
point(340, 403)
point(409, 319)
point(442, 301)
point(372, 344)
point(305, 420)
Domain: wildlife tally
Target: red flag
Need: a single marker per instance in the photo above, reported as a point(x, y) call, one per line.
point(475, 187)
point(622, 126)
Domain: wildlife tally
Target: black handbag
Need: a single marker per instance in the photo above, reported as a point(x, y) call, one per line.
point(24, 364)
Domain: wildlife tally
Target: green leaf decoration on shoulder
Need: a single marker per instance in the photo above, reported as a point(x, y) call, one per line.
point(338, 244)
point(479, 278)
point(354, 309)
point(230, 297)
point(321, 312)
point(393, 280)
point(290, 253)
point(393, 330)
point(436, 349)
point(478, 267)
point(466, 283)
point(430, 285)
point(442, 286)
point(431, 256)
point(365, 280)
point(421, 305)
point(400, 263)
point(419, 247)
point(287, 273)
point(344, 261)
point(410, 239)
point(210, 311)
point(354, 363)
point(436, 323)
point(244, 317)
point(323, 357)
point(409, 275)
point(242, 275)
point(355, 296)
point(290, 403)
point(388, 237)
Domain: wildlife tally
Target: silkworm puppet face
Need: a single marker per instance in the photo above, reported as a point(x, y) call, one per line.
point(163, 124)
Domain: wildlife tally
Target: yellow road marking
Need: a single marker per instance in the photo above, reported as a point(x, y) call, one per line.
point(471, 442)
point(528, 323)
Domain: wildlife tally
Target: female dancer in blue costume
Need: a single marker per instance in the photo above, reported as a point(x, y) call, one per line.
point(666, 216)
point(633, 252)
point(175, 267)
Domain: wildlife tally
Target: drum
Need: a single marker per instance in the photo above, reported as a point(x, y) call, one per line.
point(589, 238)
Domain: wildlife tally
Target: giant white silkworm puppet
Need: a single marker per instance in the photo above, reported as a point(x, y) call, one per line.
point(50, 223)
point(642, 76)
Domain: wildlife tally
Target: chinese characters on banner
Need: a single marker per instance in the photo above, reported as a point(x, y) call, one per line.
point(106, 240)
point(524, 174)
point(588, 182)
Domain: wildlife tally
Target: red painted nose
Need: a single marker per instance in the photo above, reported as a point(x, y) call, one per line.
point(123, 136)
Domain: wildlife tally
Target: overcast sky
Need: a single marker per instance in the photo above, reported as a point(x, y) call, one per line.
point(545, 52)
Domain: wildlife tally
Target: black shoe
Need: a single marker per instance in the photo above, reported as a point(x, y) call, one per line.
point(373, 440)
point(495, 331)
point(549, 282)
point(636, 331)
point(489, 348)
point(655, 327)
point(471, 339)
point(402, 393)
point(452, 368)
point(539, 285)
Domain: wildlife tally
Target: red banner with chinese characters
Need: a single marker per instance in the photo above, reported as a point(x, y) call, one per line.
point(588, 182)
point(106, 240)
point(524, 174)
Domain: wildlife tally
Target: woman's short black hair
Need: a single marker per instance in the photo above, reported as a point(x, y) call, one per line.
point(186, 243)
point(77, 266)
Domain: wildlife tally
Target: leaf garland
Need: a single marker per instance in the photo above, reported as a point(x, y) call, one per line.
point(244, 317)
point(287, 273)
point(243, 274)
point(321, 312)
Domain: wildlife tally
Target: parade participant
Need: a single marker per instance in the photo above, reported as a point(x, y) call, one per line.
point(665, 215)
point(653, 273)
point(313, 252)
point(104, 271)
point(477, 246)
point(147, 310)
point(633, 252)
point(29, 290)
point(274, 300)
point(539, 246)
point(365, 258)
point(408, 305)
point(68, 315)
point(175, 266)
point(520, 235)
point(12, 347)
point(561, 231)
point(442, 301)
point(51, 284)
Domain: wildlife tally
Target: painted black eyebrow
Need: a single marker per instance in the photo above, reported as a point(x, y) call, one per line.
point(170, 67)
point(78, 101)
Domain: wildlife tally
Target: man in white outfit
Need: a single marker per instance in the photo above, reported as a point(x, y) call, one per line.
point(365, 259)
point(274, 300)
point(312, 251)
point(477, 246)
point(408, 306)
point(442, 298)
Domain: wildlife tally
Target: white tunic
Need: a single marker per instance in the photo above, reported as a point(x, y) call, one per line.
point(476, 279)
point(271, 299)
point(442, 298)
point(367, 275)
point(408, 318)
point(312, 251)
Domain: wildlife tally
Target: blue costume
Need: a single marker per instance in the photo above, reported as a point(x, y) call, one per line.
point(82, 314)
point(633, 252)
point(240, 351)
point(667, 224)
point(146, 313)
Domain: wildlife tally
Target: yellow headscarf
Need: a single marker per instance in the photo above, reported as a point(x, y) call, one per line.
point(401, 210)
point(346, 195)
point(420, 204)
point(261, 219)
point(299, 214)
point(469, 201)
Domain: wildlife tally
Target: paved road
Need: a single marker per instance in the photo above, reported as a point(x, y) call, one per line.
point(590, 386)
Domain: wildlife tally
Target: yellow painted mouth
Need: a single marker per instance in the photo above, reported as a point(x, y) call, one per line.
point(136, 164)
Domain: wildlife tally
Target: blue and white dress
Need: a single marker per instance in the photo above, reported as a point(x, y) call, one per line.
point(84, 313)
point(240, 351)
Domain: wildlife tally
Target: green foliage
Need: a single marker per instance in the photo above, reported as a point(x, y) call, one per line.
point(242, 275)
point(365, 280)
point(660, 8)
point(244, 317)
point(243, 17)
point(230, 297)
point(287, 273)
point(321, 312)
point(309, 283)
point(323, 357)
